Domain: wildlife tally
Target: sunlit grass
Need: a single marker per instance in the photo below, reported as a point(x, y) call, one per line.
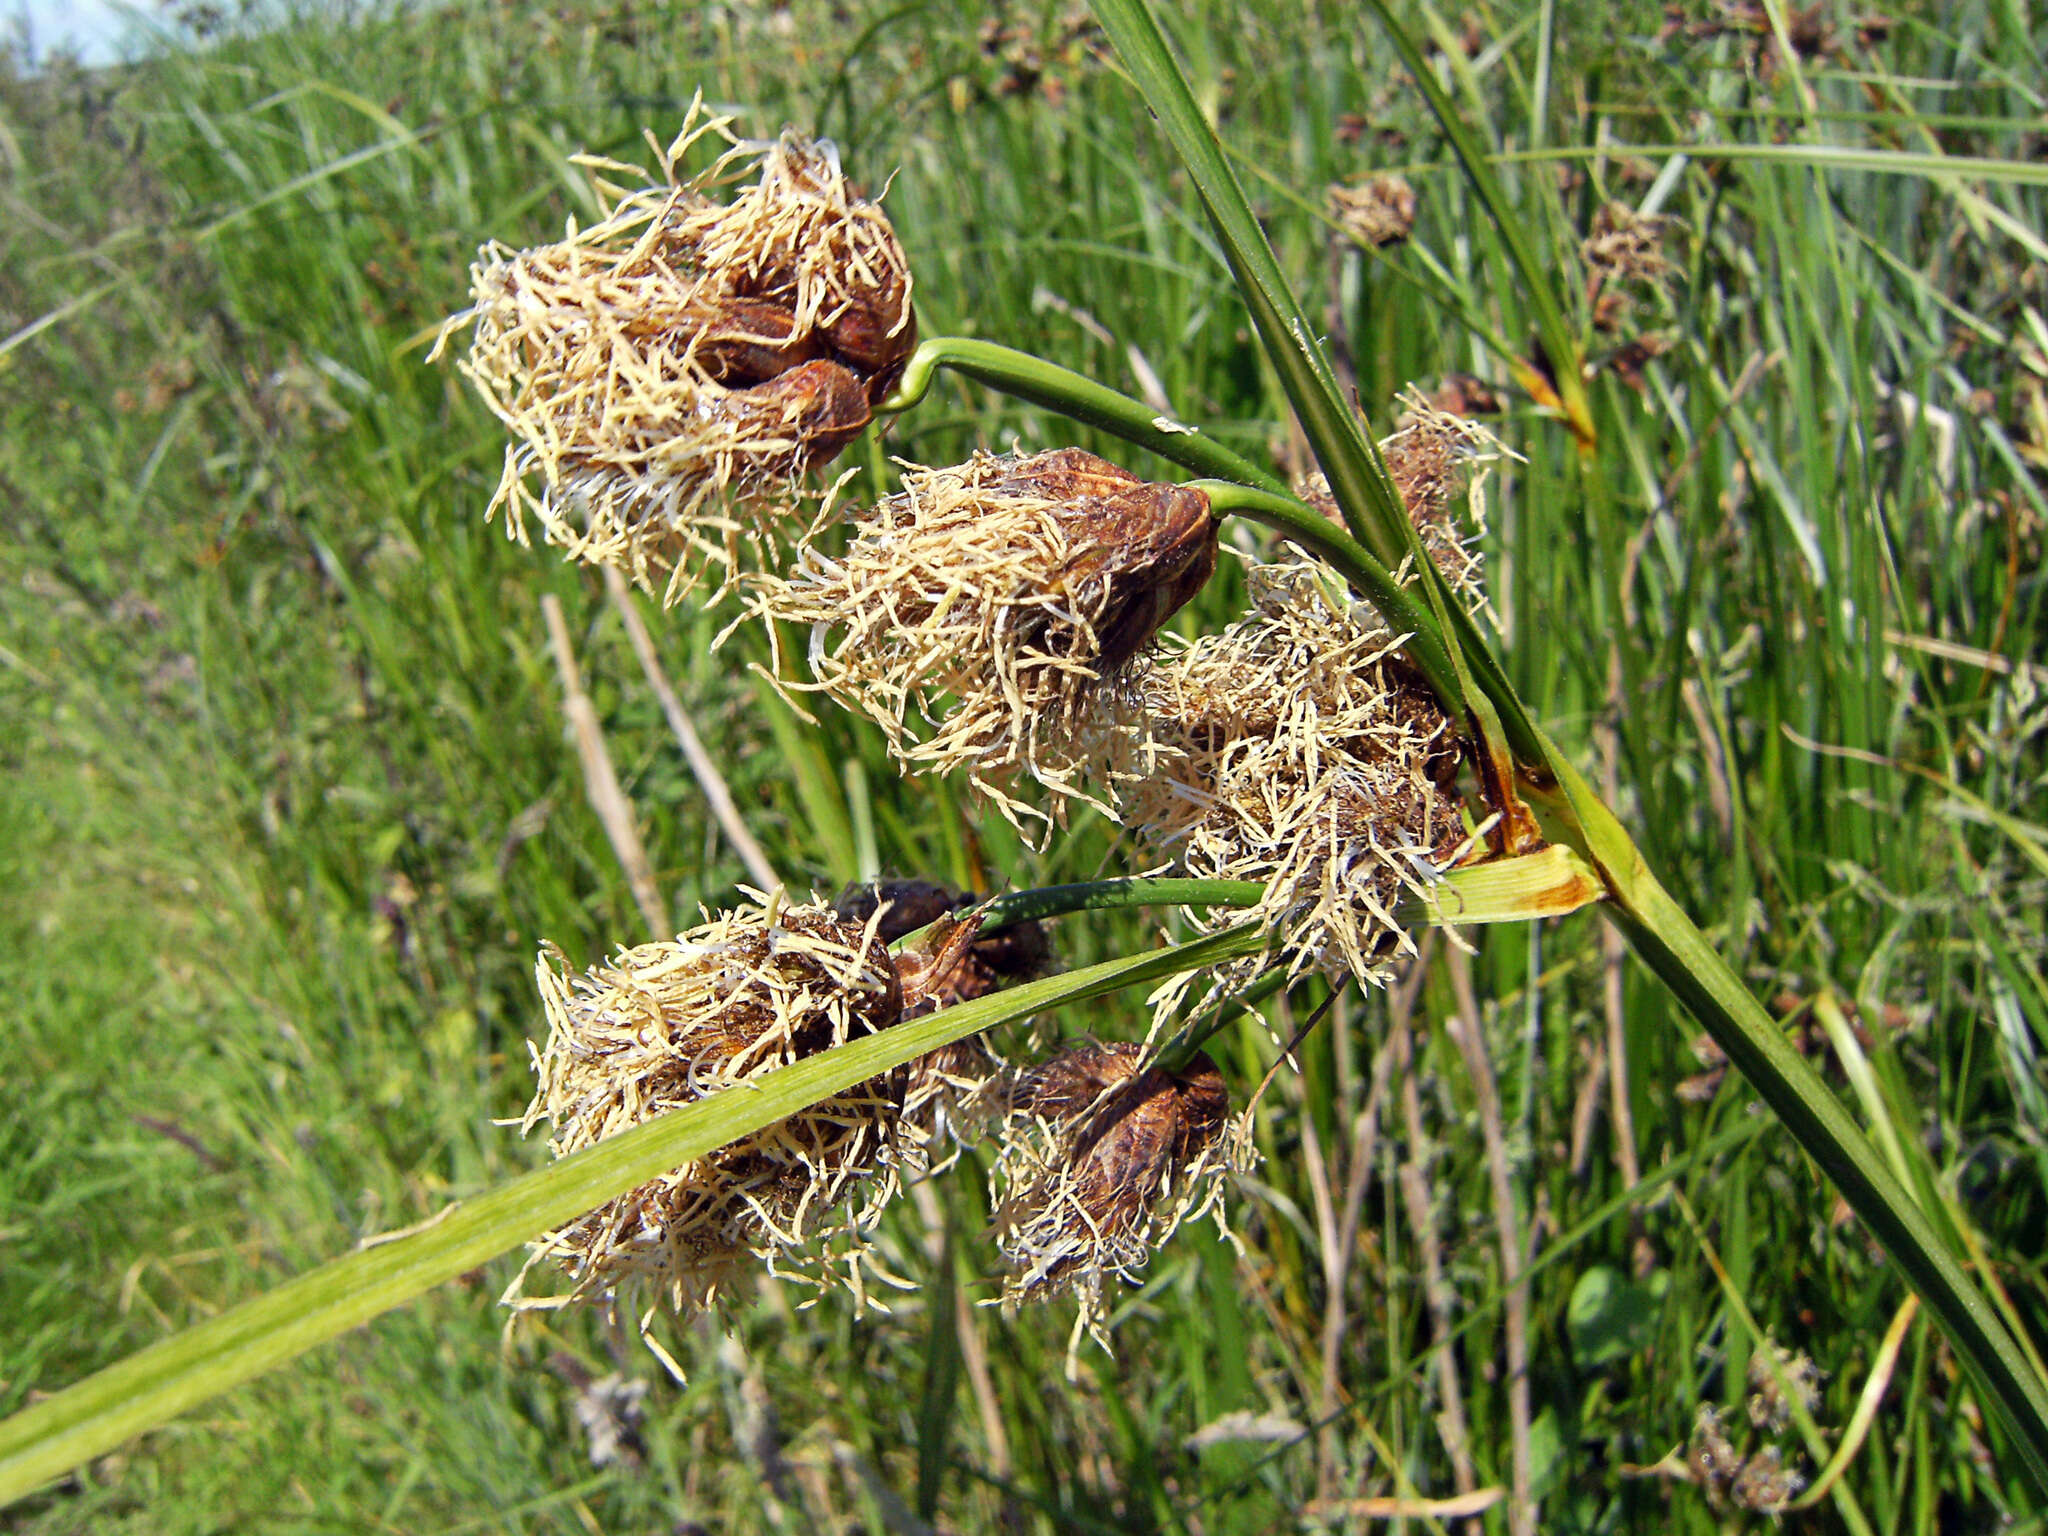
point(290, 799)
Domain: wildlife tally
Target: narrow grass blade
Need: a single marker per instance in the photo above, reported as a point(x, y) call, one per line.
point(1357, 474)
point(1559, 341)
point(166, 1379)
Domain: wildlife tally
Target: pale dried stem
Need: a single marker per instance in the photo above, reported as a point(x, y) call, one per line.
point(1470, 1036)
point(600, 782)
point(1441, 1297)
point(717, 796)
point(1358, 1178)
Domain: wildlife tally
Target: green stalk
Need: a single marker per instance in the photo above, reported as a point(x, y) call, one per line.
point(158, 1383)
point(1101, 895)
point(1662, 934)
point(1301, 524)
point(1077, 397)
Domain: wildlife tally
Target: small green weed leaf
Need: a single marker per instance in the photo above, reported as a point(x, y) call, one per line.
point(1610, 1317)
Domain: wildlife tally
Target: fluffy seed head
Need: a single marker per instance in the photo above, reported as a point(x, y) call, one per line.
point(1626, 246)
point(1102, 1158)
point(669, 1024)
point(1298, 749)
point(1375, 213)
point(1432, 456)
point(669, 373)
point(983, 615)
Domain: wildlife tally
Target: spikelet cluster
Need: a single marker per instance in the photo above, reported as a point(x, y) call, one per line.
point(985, 615)
point(666, 1025)
point(1375, 213)
point(1101, 1159)
point(943, 1088)
point(1298, 749)
point(1434, 458)
point(668, 373)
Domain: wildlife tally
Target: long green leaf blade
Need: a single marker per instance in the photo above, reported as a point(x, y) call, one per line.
point(158, 1383)
point(1559, 342)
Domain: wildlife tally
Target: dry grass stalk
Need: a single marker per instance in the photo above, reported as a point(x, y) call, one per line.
point(984, 616)
point(703, 767)
point(600, 781)
point(1296, 748)
point(1102, 1159)
point(670, 1024)
point(670, 372)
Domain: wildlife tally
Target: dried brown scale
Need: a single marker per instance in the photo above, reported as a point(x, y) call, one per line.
point(1102, 1159)
point(943, 1082)
point(666, 1025)
point(669, 374)
point(983, 616)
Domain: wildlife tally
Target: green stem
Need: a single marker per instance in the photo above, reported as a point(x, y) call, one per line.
point(1098, 895)
point(1073, 395)
point(1181, 1047)
point(1330, 542)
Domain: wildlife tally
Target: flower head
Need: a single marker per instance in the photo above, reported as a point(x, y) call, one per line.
point(1375, 213)
point(1432, 456)
point(682, 354)
point(984, 616)
point(1298, 749)
point(943, 1087)
point(669, 1024)
point(1102, 1159)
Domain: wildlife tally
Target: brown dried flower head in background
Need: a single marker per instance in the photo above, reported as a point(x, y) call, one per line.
point(1375, 213)
point(668, 373)
point(1770, 1406)
point(1102, 1158)
point(1297, 748)
point(1433, 457)
point(1624, 247)
point(983, 615)
point(669, 1024)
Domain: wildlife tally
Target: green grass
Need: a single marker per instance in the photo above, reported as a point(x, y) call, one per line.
point(290, 800)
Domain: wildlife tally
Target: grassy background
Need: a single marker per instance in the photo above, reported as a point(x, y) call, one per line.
point(290, 799)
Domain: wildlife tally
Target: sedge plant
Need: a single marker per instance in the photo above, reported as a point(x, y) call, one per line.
point(1345, 761)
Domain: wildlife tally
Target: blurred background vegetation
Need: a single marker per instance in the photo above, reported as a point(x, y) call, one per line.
point(290, 798)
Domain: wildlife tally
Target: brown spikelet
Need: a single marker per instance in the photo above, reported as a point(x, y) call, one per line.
point(1102, 1159)
point(982, 616)
point(1296, 748)
point(1375, 213)
point(669, 1024)
point(942, 1093)
point(669, 374)
point(1433, 457)
point(1626, 246)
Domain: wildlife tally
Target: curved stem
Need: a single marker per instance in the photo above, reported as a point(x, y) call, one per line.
point(1330, 542)
point(1135, 891)
point(1073, 395)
